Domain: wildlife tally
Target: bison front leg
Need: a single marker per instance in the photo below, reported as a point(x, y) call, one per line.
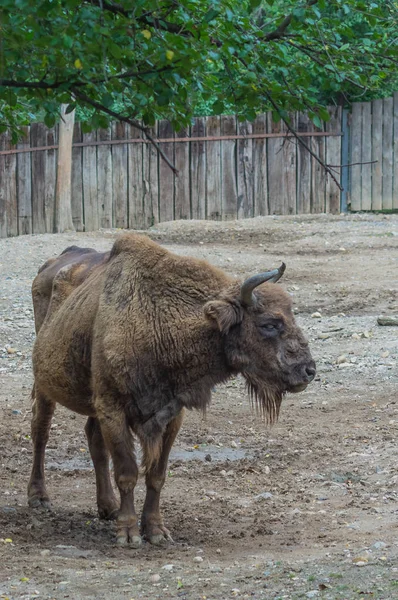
point(107, 504)
point(152, 526)
point(43, 411)
point(119, 441)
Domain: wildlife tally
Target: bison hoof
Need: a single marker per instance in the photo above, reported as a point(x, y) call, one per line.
point(108, 513)
point(39, 502)
point(158, 536)
point(125, 539)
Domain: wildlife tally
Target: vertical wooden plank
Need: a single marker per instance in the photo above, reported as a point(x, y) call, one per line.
point(166, 175)
point(213, 170)
point(150, 162)
point(77, 180)
point(395, 153)
point(120, 175)
point(377, 154)
point(229, 194)
point(24, 183)
point(245, 206)
point(104, 179)
point(345, 159)
point(136, 183)
point(388, 119)
point(366, 156)
point(38, 169)
point(90, 188)
point(333, 157)
point(10, 181)
point(198, 170)
point(50, 158)
point(182, 201)
point(275, 168)
point(260, 180)
point(304, 124)
point(318, 175)
point(3, 174)
point(289, 157)
point(62, 200)
point(356, 156)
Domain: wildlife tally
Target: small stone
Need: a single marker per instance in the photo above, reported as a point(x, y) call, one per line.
point(11, 350)
point(263, 496)
point(356, 336)
point(387, 321)
point(218, 551)
point(208, 457)
point(223, 473)
point(312, 593)
point(366, 334)
point(45, 552)
point(267, 470)
point(385, 354)
point(342, 249)
point(235, 591)
point(361, 563)
point(316, 315)
point(379, 545)
point(234, 444)
point(155, 578)
point(168, 567)
point(342, 359)
point(16, 412)
point(197, 559)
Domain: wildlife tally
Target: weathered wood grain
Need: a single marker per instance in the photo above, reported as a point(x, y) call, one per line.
point(63, 207)
point(11, 190)
point(333, 157)
point(150, 161)
point(366, 156)
point(50, 158)
point(166, 175)
point(355, 157)
point(388, 120)
point(395, 154)
point(318, 174)
point(377, 154)
point(260, 177)
point(289, 158)
point(213, 170)
point(245, 206)
point(136, 183)
point(38, 166)
point(304, 123)
point(120, 131)
point(229, 193)
point(198, 170)
point(182, 205)
point(77, 181)
point(24, 179)
point(90, 187)
point(276, 191)
point(104, 179)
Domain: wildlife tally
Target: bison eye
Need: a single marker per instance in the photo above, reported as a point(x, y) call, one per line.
point(271, 328)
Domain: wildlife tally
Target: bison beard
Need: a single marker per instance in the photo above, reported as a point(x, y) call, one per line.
point(132, 337)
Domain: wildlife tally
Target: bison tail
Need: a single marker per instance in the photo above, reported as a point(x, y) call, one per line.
point(151, 451)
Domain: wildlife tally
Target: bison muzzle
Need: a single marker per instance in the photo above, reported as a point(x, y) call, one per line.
point(132, 337)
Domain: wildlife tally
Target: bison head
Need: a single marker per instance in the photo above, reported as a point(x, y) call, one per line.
point(262, 341)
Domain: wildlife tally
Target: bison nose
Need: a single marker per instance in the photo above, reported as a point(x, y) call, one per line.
point(310, 372)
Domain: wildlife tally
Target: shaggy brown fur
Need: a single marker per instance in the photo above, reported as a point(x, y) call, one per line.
point(145, 335)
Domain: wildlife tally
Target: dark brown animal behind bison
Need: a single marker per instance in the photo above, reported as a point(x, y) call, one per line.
point(138, 336)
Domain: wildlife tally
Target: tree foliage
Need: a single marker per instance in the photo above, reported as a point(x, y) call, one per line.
point(144, 59)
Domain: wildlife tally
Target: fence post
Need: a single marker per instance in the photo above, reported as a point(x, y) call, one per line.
point(345, 159)
point(63, 204)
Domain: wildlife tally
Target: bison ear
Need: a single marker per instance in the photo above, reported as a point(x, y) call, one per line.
point(223, 313)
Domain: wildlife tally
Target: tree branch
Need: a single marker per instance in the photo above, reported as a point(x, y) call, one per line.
point(279, 32)
point(79, 94)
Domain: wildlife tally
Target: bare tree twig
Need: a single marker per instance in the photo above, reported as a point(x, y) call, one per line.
point(79, 94)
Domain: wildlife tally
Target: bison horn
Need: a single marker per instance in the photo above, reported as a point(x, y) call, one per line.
point(248, 286)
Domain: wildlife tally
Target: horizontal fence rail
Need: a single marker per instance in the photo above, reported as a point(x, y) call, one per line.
point(226, 170)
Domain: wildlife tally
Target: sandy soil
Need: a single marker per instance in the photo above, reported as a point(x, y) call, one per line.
point(306, 509)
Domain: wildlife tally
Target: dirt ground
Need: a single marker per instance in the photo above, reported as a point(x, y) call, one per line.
point(306, 509)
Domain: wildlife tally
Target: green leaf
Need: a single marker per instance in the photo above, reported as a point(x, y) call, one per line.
point(49, 120)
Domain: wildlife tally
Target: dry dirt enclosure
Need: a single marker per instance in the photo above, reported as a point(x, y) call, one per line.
point(306, 509)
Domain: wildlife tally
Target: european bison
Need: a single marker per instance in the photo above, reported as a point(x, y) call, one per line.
point(132, 338)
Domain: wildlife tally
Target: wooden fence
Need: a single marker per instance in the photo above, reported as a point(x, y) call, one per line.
point(227, 170)
point(374, 137)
